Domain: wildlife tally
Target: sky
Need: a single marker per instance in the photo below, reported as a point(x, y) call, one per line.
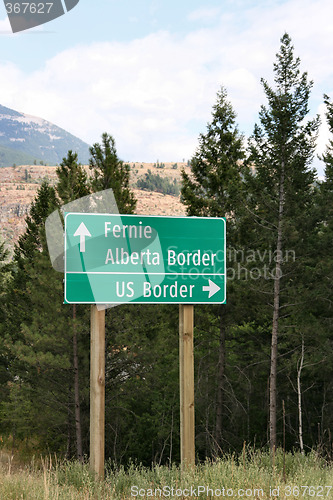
point(148, 71)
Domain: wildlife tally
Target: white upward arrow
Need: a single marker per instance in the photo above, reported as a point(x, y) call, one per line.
point(82, 231)
point(212, 288)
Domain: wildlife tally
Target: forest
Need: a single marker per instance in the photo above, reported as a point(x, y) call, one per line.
point(263, 361)
point(154, 182)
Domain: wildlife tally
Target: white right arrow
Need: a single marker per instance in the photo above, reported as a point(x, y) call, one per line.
point(82, 231)
point(212, 288)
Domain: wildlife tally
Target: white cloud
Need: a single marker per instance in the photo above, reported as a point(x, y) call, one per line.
point(204, 14)
point(5, 28)
point(155, 94)
point(325, 135)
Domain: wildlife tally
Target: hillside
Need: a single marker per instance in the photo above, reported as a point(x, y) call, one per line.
point(30, 139)
point(18, 187)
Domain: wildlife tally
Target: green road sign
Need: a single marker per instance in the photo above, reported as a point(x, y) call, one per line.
point(144, 259)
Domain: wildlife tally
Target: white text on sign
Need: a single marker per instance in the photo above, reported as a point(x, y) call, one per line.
point(122, 256)
point(130, 231)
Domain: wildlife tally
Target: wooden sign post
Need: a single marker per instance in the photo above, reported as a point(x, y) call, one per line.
point(104, 256)
point(97, 391)
point(186, 385)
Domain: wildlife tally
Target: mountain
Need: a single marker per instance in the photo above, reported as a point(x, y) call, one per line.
point(26, 139)
point(19, 185)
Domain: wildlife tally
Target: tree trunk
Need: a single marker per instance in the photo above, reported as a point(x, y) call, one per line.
point(79, 453)
point(276, 313)
point(69, 434)
point(299, 394)
point(220, 383)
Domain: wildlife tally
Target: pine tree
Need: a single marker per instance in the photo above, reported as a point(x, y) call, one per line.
point(72, 179)
point(325, 233)
point(142, 414)
point(281, 152)
point(214, 188)
point(30, 244)
point(111, 172)
point(328, 159)
point(72, 185)
point(38, 332)
point(32, 239)
point(5, 268)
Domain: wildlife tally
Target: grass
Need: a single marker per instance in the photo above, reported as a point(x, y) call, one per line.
point(250, 475)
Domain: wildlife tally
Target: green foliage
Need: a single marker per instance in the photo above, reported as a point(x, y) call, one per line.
point(142, 384)
point(155, 182)
point(285, 143)
point(280, 185)
point(27, 176)
point(10, 157)
point(111, 172)
point(72, 179)
point(5, 269)
point(328, 156)
point(214, 187)
point(32, 240)
point(321, 296)
point(37, 338)
point(280, 202)
point(250, 473)
point(232, 342)
point(159, 165)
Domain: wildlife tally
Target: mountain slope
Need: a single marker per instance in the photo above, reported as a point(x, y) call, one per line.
point(36, 139)
point(12, 157)
point(19, 185)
